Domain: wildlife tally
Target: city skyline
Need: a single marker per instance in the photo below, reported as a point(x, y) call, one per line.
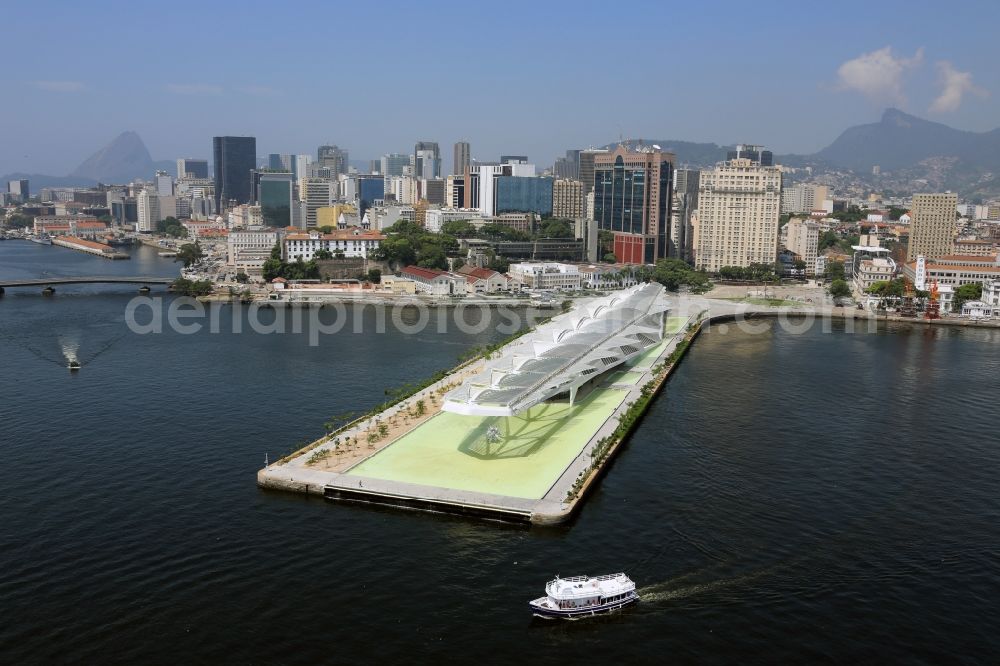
point(65, 111)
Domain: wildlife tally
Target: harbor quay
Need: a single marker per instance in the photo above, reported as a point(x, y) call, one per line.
point(510, 436)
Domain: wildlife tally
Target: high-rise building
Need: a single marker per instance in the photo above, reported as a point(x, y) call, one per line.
point(739, 203)
point(300, 166)
point(433, 191)
point(334, 158)
point(567, 199)
point(523, 195)
point(394, 163)
point(685, 203)
point(632, 199)
point(148, 211)
point(480, 183)
point(585, 167)
point(426, 159)
point(454, 191)
point(164, 184)
point(275, 195)
point(235, 157)
point(463, 154)
point(568, 167)
point(932, 225)
point(803, 198)
point(18, 189)
point(370, 188)
point(753, 153)
point(316, 193)
point(802, 238)
point(280, 162)
point(191, 168)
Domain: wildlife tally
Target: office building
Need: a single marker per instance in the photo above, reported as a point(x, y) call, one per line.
point(433, 191)
point(513, 159)
point(541, 275)
point(586, 167)
point(394, 163)
point(739, 203)
point(280, 162)
point(191, 168)
point(632, 199)
point(300, 166)
point(753, 153)
point(803, 198)
point(316, 193)
point(454, 191)
point(370, 188)
point(276, 197)
point(684, 205)
point(802, 238)
point(480, 183)
point(19, 190)
point(334, 158)
point(164, 184)
point(462, 157)
point(932, 225)
point(426, 160)
point(567, 199)
point(523, 195)
point(568, 166)
point(235, 157)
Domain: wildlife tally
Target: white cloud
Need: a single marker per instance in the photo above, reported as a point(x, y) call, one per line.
point(954, 85)
point(59, 86)
point(878, 75)
point(194, 89)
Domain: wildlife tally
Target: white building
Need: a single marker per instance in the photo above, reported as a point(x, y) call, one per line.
point(802, 238)
point(249, 249)
point(148, 211)
point(870, 271)
point(434, 218)
point(803, 198)
point(353, 242)
point(164, 184)
point(543, 275)
point(739, 205)
point(435, 282)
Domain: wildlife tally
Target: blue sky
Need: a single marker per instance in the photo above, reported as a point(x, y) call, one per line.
point(514, 77)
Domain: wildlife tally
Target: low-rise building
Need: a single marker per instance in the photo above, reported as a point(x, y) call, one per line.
point(434, 282)
point(544, 275)
point(869, 271)
point(354, 242)
point(483, 280)
point(956, 270)
point(249, 249)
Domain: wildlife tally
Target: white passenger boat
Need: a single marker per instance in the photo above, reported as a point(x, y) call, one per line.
point(580, 596)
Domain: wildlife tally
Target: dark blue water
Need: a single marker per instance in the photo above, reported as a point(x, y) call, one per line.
point(816, 497)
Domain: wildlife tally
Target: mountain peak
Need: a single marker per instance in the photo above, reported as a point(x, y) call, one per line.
point(122, 160)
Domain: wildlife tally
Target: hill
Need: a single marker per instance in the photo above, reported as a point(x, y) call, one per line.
point(125, 158)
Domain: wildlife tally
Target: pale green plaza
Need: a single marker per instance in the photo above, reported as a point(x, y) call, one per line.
point(532, 451)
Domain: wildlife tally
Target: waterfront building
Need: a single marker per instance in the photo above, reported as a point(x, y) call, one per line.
point(802, 238)
point(433, 281)
point(932, 226)
point(955, 270)
point(462, 157)
point(334, 158)
point(484, 280)
point(69, 225)
point(567, 199)
point(632, 199)
point(545, 275)
point(354, 242)
point(276, 197)
point(988, 304)
point(869, 271)
point(148, 209)
point(235, 157)
point(739, 203)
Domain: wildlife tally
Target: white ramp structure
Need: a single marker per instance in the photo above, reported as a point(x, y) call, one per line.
point(564, 354)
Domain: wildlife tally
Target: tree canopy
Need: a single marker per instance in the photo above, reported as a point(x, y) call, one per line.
point(675, 273)
point(840, 289)
point(171, 227)
point(189, 253)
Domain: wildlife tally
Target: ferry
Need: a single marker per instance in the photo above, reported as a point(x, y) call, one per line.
point(42, 239)
point(582, 596)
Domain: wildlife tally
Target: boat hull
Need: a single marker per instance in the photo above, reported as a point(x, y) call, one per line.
point(547, 612)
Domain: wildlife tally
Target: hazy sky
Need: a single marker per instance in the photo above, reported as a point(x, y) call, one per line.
point(529, 78)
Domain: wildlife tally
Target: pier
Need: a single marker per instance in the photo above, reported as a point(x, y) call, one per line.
point(90, 247)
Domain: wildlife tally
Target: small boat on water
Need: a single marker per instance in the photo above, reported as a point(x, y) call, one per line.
point(73, 365)
point(582, 596)
point(41, 239)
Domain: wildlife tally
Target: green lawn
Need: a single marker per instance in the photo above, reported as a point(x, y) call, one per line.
point(451, 451)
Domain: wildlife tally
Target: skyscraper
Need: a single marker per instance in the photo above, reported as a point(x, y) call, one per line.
point(932, 225)
point(586, 167)
point(164, 184)
point(567, 167)
point(394, 163)
point(462, 157)
point(275, 195)
point(426, 159)
point(334, 158)
point(739, 203)
point(190, 168)
point(567, 199)
point(18, 189)
point(235, 157)
point(280, 162)
point(632, 199)
point(685, 204)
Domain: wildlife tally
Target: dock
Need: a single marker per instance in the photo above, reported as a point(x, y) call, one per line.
point(90, 247)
